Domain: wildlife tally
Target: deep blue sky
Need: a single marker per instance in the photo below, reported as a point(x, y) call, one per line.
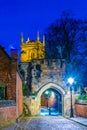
point(30, 16)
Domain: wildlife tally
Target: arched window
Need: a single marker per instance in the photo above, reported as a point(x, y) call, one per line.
point(32, 55)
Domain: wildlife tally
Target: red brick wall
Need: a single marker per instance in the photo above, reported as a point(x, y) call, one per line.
point(8, 68)
point(19, 96)
point(81, 110)
point(13, 82)
point(13, 112)
point(50, 101)
point(8, 113)
point(43, 101)
point(11, 90)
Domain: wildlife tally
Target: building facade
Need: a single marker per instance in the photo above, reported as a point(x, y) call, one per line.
point(8, 67)
point(11, 96)
point(40, 74)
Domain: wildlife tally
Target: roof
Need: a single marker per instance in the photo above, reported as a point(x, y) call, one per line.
point(3, 49)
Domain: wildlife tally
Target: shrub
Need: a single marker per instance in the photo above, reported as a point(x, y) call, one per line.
point(82, 97)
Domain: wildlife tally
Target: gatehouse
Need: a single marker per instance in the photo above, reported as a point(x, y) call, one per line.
point(41, 76)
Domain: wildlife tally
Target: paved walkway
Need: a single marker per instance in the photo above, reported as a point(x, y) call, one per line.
point(47, 123)
point(80, 120)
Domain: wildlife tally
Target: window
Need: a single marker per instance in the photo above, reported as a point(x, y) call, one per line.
point(2, 90)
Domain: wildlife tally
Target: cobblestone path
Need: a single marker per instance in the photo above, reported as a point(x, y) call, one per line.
point(49, 123)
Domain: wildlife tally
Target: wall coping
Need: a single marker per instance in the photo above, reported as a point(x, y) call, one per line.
point(80, 103)
point(7, 103)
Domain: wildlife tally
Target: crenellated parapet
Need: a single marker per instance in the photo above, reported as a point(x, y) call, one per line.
point(47, 70)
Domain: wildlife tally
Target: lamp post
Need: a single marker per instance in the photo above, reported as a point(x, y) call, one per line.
point(47, 95)
point(71, 80)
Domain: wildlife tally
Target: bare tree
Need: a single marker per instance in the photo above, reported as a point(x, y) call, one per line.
point(67, 38)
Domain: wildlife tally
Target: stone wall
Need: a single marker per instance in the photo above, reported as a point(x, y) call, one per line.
point(46, 71)
point(33, 105)
point(40, 72)
point(67, 104)
point(45, 74)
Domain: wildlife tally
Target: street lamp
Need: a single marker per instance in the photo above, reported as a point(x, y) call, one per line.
point(71, 80)
point(47, 95)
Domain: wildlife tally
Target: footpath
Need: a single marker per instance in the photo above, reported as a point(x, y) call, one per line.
point(80, 120)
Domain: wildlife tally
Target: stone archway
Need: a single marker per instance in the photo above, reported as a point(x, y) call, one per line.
point(33, 101)
point(51, 103)
point(54, 86)
point(50, 85)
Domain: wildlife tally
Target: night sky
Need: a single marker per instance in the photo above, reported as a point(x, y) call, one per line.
point(31, 16)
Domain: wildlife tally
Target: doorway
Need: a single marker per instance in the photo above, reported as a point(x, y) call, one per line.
point(51, 103)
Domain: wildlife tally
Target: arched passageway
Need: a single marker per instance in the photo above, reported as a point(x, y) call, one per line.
point(51, 98)
point(51, 103)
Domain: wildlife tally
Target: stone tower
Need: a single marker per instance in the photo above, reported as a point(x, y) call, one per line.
point(32, 49)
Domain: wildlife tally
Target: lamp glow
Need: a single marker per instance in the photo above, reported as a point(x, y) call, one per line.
point(70, 80)
point(46, 92)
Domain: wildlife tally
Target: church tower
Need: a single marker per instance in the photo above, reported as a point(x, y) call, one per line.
point(32, 49)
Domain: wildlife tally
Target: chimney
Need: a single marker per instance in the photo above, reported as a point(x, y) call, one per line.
point(14, 54)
